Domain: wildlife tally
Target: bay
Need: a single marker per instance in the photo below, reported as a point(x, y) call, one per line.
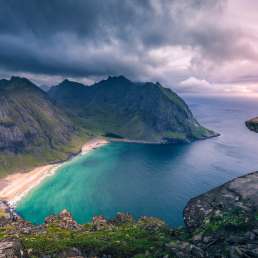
point(152, 180)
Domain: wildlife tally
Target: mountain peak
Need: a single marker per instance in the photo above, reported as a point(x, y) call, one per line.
point(118, 78)
point(20, 79)
point(67, 82)
point(18, 83)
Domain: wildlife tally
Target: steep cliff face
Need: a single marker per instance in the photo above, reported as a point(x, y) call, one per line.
point(221, 223)
point(28, 119)
point(252, 124)
point(30, 125)
point(138, 111)
point(224, 221)
point(240, 194)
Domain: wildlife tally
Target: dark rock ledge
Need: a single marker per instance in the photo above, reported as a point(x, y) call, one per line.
point(220, 223)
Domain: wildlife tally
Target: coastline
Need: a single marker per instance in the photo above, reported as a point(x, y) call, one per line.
point(16, 186)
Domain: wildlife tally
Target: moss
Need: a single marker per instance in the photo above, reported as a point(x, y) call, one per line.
point(2, 213)
point(228, 220)
point(11, 163)
point(119, 241)
point(4, 231)
point(201, 132)
point(176, 136)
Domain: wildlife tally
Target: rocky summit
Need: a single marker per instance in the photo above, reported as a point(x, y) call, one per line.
point(220, 223)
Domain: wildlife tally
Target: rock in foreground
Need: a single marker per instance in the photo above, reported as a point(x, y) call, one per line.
point(239, 195)
point(220, 223)
point(224, 221)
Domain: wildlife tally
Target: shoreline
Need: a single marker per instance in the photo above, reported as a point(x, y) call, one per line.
point(16, 186)
point(125, 140)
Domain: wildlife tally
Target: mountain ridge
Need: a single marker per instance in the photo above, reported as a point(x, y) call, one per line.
point(33, 130)
point(38, 127)
point(137, 111)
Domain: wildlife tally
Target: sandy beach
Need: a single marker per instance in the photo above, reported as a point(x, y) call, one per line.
point(14, 187)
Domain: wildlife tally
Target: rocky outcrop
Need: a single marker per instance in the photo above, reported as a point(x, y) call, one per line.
point(11, 248)
point(222, 223)
point(63, 220)
point(252, 124)
point(5, 214)
point(240, 194)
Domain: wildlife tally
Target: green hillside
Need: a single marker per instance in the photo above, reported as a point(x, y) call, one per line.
point(33, 131)
point(136, 111)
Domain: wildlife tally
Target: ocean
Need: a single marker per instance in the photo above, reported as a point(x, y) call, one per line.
point(152, 180)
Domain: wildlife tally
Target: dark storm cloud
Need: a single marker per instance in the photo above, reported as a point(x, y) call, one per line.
point(84, 38)
point(46, 36)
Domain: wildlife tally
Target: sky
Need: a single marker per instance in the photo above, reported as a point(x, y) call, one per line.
point(191, 46)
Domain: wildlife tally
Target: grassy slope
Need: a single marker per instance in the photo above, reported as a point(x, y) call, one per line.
point(147, 237)
point(46, 133)
point(12, 163)
point(136, 111)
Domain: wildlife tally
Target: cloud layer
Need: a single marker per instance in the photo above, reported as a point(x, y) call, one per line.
point(203, 42)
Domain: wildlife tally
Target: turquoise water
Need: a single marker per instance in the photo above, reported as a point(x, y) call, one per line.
point(153, 180)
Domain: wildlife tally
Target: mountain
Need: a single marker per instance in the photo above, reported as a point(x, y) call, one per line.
point(38, 127)
point(121, 108)
point(32, 129)
point(252, 124)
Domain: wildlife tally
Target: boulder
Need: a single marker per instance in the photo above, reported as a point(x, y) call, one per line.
point(122, 218)
point(63, 220)
point(11, 249)
point(239, 195)
point(99, 223)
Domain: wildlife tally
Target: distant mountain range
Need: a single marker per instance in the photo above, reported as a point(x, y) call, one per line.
point(38, 127)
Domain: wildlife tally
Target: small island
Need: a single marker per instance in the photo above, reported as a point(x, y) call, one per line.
point(252, 124)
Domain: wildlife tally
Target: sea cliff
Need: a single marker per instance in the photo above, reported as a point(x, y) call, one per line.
point(220, 223)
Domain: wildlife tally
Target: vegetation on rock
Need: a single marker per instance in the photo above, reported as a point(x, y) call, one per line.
point(220, 223)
